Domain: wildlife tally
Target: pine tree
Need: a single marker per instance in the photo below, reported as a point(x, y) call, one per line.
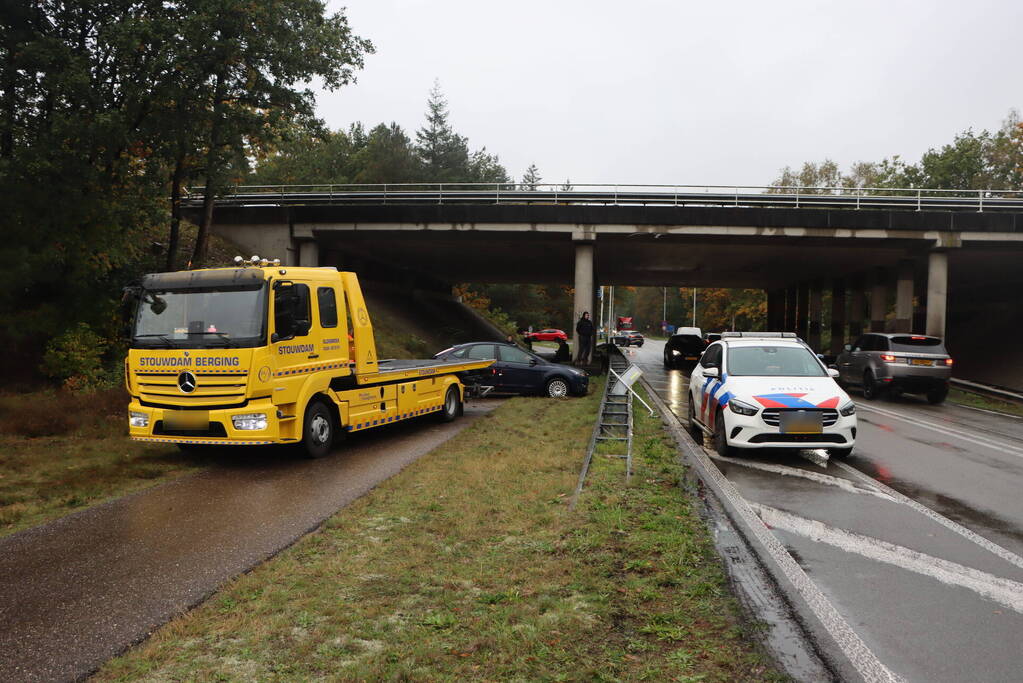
point(532, 178)
point(444, 153)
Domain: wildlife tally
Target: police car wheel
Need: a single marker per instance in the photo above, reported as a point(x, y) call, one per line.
point(317, 431)
point(694, 429)
point(452, 405)
point(720, 442)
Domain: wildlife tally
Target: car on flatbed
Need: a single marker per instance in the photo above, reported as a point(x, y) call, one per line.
point(768, 390)
point(896, 362)
point(515, 371)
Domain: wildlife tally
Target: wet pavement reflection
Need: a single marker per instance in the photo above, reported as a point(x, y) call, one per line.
point(966, 465)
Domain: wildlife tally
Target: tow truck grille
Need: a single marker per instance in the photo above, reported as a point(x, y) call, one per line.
point(772, 416)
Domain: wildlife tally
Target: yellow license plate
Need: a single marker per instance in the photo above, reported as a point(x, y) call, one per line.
point(920, 361)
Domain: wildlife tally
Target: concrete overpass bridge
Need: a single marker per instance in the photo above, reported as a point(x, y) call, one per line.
point(947, 262)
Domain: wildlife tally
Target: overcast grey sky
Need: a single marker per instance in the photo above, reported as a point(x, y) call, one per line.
point(687, 92)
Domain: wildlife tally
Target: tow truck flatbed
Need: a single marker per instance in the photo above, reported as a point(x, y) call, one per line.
point(391, 370)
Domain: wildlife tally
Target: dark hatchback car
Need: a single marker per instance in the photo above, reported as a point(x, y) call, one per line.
point(519, 372)
point(683, 350)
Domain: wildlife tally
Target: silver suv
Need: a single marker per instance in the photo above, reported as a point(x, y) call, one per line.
point(897, 362)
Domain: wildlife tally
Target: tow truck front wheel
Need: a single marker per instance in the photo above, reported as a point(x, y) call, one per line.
point(317, 431)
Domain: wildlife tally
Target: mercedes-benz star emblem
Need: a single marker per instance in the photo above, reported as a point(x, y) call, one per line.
point(186, 382)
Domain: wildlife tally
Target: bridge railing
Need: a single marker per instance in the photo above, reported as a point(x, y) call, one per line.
point(918, 199)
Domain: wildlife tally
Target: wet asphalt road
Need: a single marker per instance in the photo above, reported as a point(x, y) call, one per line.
point(79, 590)
point(931, 600)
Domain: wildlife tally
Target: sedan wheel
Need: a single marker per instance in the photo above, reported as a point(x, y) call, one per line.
point(557, 388)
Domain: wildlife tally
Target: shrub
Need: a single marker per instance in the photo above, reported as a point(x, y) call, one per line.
point(76, 359)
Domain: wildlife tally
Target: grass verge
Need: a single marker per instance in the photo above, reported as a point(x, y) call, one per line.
point(966, 398)
point(62, 452)
point(470, 565)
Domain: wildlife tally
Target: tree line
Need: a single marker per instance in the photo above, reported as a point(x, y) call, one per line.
point(971, 161)
point(109, 109)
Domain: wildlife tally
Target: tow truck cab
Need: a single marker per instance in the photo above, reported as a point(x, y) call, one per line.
point(266, 354)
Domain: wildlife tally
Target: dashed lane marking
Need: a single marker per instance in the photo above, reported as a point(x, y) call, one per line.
point(827, 479)
point(863, 660)
point(994, 548)
point(1003, 591)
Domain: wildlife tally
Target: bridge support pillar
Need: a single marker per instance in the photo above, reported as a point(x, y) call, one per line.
point(813, 336)
point(837, 316)
point(919, 297)
point(584, 287)
point(790, 310)
point(309, 254)
point(802, 309)
point(776, 310)
point(904, 298)
point(878, 299)
point(857, 304)
point(937, 293)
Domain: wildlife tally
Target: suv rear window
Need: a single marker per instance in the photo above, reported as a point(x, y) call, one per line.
point(918, 344)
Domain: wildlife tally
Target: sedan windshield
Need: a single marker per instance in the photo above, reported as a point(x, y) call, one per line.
point(773, 361)
point(201, 319)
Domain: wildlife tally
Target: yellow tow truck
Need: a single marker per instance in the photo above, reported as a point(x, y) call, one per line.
point(266, 354)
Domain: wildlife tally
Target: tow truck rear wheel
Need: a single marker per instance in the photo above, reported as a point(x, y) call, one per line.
point(452, 405)
point(317, 430)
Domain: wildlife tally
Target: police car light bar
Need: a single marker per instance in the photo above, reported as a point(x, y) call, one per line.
point(755, 335)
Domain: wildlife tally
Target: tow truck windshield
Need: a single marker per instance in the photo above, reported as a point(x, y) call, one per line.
point(201, 318)
point(773, 361)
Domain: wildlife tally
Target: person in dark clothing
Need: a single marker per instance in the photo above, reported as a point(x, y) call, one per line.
point(584, 338)
point(562, 355)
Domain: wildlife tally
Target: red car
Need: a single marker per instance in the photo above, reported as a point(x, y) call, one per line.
point(547, 335)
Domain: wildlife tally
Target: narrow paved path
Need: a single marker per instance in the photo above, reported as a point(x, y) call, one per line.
point(77, 591)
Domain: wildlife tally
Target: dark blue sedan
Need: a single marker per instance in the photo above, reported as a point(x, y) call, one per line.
point(516, 371)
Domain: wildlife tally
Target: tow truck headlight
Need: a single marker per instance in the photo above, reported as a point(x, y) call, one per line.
point(848, 409)
point(742, 408)
point(138, 419)
point(249, 421)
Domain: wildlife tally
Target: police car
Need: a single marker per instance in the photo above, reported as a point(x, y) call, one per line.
point(768, 390)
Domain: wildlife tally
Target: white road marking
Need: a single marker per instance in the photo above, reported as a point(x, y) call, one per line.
point(991, 547)
point(949, 431)
point(1003, 591)
point(827, 479)
point(860, 656)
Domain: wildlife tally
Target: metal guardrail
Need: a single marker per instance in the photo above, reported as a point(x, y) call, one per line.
point(914, 199)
